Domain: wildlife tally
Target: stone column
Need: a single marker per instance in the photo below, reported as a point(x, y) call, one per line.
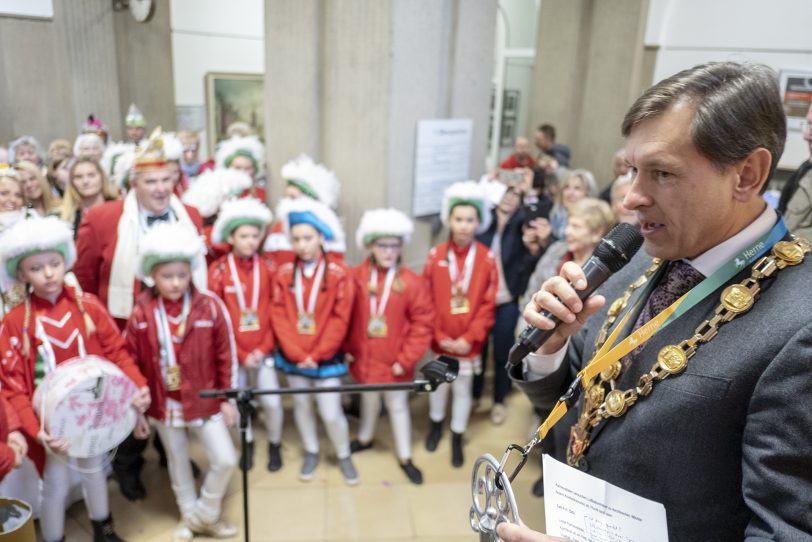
point(347, 81)
point(589, 69)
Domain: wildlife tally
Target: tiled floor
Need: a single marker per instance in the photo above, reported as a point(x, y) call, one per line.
point(385, 506)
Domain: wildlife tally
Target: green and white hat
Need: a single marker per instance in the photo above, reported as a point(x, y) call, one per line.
point(135, 117)
point(314, 180)
point(213, 187)
point(165, 243)
point(250, 147)
point(238, 212)
point(31, 236)
point(377, 223)
point(467, 193)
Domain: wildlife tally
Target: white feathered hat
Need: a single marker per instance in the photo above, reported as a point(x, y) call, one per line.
point(309, 211)
point(377, 223)
point(165, 243)
point(313, 179)
point(235, 213)
point(34, 236)
point(467, 193)
point(112, 155)
point(213, 187)
point(173, 148)
point(250, 147)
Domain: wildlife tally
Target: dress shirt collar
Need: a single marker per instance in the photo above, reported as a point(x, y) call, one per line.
point(713, 259)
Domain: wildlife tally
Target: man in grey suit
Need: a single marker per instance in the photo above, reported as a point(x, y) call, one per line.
point(724, 441)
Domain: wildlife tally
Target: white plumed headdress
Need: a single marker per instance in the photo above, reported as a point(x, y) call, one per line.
point(377, 223)
point(33, 236)
point(318, 215)
point(250, 147)
point(166, 242)
point(213, 187)
point(467, 193)
point(313, 179)
point(235, 213)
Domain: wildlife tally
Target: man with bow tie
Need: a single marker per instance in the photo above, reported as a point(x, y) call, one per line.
point(107, 247)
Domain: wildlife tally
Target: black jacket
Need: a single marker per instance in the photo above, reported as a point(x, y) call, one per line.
point(517, 262)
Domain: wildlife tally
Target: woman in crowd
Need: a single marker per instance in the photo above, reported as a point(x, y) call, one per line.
point(25, 149)
point(36, 190)
point(89, 145)
point(87, 187)
point(11, 204)
point(620, 188)
point(58, 161)
point(578, 184)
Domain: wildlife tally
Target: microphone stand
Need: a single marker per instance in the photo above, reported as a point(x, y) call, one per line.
point(442, 370)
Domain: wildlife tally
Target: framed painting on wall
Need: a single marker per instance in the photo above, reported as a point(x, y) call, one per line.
point(233, 97)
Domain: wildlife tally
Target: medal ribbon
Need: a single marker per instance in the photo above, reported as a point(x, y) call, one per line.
point(314, 291)
point(165, 333)
point(609, 354)
point(374, 309)
point(235, 280)
point(467, 270)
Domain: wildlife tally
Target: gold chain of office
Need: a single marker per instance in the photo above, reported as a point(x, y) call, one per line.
point(736, 299)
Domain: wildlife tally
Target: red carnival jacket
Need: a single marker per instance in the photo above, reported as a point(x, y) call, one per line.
point(409, 318)
point(222, 284)
point(332, 314)
point(9, 422)
point(473, 326)
point(207, 356)
point(59, 321)
point(96, 245)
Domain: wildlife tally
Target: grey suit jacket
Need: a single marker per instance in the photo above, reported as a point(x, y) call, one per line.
point(726, 446)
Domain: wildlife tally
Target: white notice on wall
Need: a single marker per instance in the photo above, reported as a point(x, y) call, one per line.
point(442, 157)
point(583, 508)
point(28, 8)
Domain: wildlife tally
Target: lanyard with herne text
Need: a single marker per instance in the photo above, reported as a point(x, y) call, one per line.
point(609, 354)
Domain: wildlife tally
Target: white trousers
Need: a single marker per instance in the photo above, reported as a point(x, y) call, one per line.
point(56, 483)
point(397, 404)
point(216, 439)
point(271, 404)
point(329, 405)
point(460, 404)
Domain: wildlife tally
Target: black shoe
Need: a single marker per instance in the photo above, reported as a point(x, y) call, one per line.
point(356, 446)
point(433, 438)
point(131, 487)
point(103, 531)
point(247, 456)
point(538, 487)
point(412, 472)
point(456, 449)
point(274, 457)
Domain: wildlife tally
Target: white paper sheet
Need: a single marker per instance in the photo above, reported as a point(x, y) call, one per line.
point(583, 508)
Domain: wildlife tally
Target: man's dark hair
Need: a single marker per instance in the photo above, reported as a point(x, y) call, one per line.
point(538, 179)
point(548, 130)
point(738, 110)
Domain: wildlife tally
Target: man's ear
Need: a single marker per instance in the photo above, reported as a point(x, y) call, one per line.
point(752, 174)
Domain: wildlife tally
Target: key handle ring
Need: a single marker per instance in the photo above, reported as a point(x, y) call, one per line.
point(493, 501)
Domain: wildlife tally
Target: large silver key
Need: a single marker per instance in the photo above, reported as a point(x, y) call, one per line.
point(492, 498)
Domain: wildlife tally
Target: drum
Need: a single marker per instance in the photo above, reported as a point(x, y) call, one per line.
point(16, 521)
point(88, 402)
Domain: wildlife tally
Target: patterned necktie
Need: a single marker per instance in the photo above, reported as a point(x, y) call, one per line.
point(160, 218)
point(679, 278)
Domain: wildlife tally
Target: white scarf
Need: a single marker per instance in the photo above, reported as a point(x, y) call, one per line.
point(122, 273)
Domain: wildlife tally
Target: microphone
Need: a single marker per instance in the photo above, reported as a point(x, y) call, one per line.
point(612, 253)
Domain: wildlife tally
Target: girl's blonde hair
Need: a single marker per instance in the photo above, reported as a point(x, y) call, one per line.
point(72, 200)
point(49, 201)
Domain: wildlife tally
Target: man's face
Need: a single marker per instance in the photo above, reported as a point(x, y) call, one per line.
point(153, 189)
point(542, 141)
point(684, 205)
point(808, 130)
point(190, 154)
point(91, 149)
point(136, 133)
point(522, 146)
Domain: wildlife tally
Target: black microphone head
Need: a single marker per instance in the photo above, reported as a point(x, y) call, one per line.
point(619, 246)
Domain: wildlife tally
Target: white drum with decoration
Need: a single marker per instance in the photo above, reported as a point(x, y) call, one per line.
point(88, 402)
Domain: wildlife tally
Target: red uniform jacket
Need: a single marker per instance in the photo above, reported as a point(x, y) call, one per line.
point(59, 322)
point(9, 422)
point(474, 325)
point(409, 319)
point(222, 284)
point(207, 354)
point(96, 246)
point(514, 161)
point(332, 314)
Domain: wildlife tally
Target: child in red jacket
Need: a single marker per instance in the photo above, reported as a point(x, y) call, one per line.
point(463, 280)
point(183, 341)
point(310, 311)
point(391, 329)
point(242, 279)
point(56, 323)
